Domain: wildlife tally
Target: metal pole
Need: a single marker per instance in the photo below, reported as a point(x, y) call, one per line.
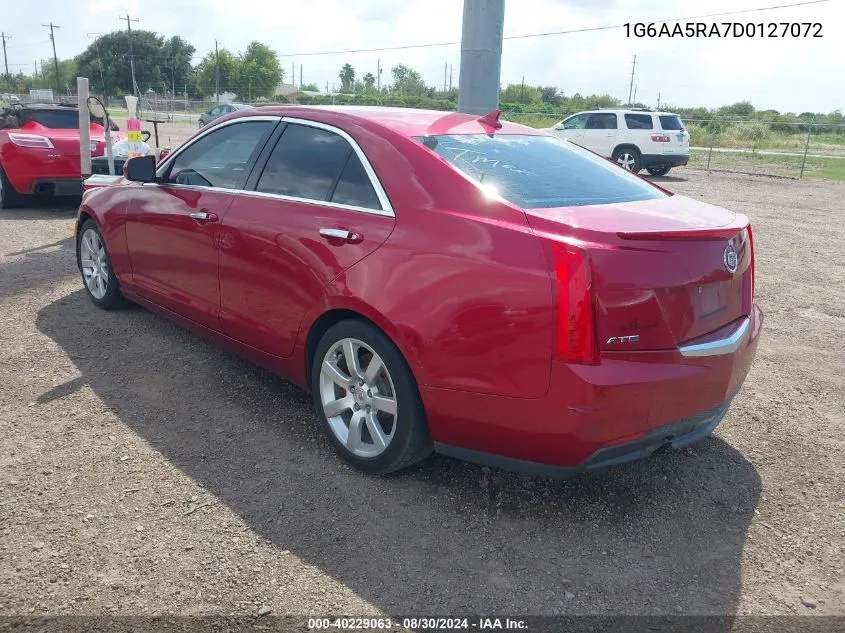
point(806, 147)
point(217, 72)
point(378, 75)
point(481, 56)
point(631, 86)
point(712, 141)
point(84, 127)
point(5, 60)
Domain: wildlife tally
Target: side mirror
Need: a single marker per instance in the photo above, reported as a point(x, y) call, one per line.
point(559, 126)
point(141, 169)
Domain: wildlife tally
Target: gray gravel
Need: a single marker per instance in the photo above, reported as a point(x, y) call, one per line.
point(144, 470)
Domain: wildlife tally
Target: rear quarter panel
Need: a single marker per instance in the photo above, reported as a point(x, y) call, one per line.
point(461, 284)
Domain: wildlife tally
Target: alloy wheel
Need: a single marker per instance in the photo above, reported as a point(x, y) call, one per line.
point(94, 263)
point(627, 160)
point(358, 397)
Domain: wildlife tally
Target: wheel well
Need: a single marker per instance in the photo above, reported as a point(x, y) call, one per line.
point(81, 220)
point(625, 146)
point(322, 325)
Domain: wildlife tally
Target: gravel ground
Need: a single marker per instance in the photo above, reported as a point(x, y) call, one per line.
point(146, 471)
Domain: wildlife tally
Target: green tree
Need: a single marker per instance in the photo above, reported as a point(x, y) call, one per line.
point(369, 82)
point(518, 93)
point(258, 72)
point(222, 62)
point(310, 88)
point(408, 81)
point(113, 59)
point(347, 78)
point(179, 72)
point(550, 94)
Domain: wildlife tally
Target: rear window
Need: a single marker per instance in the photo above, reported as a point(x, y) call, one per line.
point(55, 119)
point(638, 121)
point(671, 122)
point(537, 172)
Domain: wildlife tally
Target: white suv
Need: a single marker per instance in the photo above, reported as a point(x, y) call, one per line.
point(635, 139)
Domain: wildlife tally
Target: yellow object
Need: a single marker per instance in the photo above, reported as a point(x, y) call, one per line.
point(134, 137)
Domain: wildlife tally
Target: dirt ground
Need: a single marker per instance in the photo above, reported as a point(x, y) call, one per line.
point(144, 470)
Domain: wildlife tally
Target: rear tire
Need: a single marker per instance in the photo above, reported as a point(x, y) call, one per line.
point(628, 158)
point(658, 171)
point(92, 258)
point(370, 408)
point(9, 197)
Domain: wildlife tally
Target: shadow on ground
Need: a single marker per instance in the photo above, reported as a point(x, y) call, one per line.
point(660, 537)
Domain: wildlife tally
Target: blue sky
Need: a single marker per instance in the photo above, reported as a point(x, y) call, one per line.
point(787, 74)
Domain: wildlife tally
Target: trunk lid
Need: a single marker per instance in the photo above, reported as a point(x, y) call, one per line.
point(662, 270)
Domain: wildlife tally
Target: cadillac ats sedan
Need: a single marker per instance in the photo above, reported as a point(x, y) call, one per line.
point(439, 282)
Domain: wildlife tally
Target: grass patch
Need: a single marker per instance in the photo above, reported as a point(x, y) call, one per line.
point(770, 164)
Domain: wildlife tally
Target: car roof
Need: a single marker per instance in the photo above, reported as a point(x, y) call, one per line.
point(625, 111)
point(405, 121)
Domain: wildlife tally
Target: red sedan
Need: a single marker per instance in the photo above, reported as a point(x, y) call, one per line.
point(39, 152)
point(440, 282)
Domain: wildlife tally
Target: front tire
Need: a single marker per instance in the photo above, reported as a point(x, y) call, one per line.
point(628, 158)
point(659, 171)
point(9, 197)
point(367, 400)
point(94, 264)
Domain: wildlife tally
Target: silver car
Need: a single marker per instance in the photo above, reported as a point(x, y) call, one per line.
point(219, 110)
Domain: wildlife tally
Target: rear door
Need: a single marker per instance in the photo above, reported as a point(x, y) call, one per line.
point(173, 227)
point(315, 209)
point(600, 133)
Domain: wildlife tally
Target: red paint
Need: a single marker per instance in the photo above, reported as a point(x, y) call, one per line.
point(467, 287)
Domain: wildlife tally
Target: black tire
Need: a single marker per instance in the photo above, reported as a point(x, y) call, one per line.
point(628, 158)
point(659, 171)
point(9, 197)
point(113, 297)
point(201, 124)
point(410, 441)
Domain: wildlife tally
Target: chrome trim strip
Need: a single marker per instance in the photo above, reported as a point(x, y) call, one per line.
point(208, 130)
point(727, 345)
point(321, 203)
point(386, 207)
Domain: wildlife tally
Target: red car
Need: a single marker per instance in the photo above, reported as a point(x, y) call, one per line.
point(39, 152)
point(440, 282)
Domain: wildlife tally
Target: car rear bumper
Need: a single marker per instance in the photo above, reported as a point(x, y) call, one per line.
point(57, 186)
point(667, 160)
point(668, 437)
point(626, 408)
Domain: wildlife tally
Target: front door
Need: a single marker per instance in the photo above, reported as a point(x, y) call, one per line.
point(314, 212)
point(172, 226)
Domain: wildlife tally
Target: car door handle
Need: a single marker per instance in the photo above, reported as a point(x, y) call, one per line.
point(204, 216)
point(341, 234)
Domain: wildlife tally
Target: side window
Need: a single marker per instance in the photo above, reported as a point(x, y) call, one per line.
point(220, 158)
point(605, 121)
point(576, 122)
point(216, 110)
point(354, 187)
point(638, 121)
point(316, 164)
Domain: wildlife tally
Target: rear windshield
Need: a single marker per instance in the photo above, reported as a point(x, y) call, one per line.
point(538, 172)
point(56, 119)
point(671, 122)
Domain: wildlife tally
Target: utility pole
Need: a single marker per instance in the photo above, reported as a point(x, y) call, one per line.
point(5, 60)
point(450, 77)
point(378, 75)
point(522, 90)
point(132, 60)
point(481, 56)
point(635, 93)
point(292, 74)
point(300, 77)
point(52, 26)
point(445, 70)
point(96, 37)
point(631, 87)
point(216, 72)
point(658, 100)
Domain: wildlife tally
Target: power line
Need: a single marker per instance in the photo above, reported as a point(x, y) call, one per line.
point(548, 33)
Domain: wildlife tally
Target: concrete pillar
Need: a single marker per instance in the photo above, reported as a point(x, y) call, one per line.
point(481, 56)
point(84, 127)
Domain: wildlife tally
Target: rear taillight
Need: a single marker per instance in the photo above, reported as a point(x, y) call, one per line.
point(576, 329)
point(30, 140)
point(660, 138)
point(751, 246)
